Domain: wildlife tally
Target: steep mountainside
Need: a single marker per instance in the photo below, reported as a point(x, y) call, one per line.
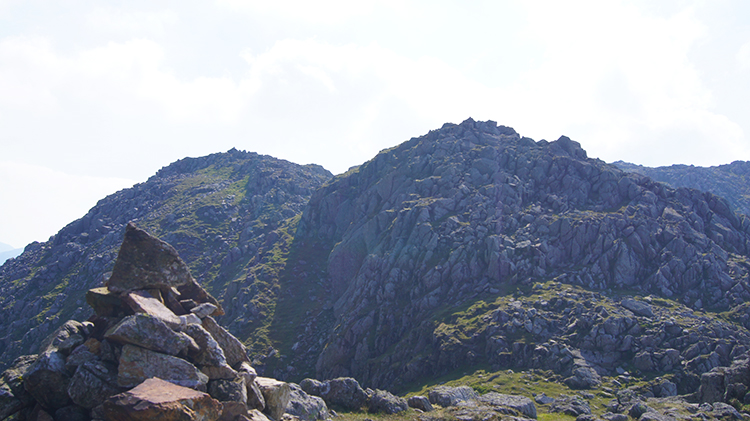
point(731, 181)
point(227, 214)
point(472, 245)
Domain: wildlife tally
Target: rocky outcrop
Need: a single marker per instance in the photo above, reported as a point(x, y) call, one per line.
point(153, 361)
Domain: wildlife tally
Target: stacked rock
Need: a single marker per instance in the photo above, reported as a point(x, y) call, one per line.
point(151, 347)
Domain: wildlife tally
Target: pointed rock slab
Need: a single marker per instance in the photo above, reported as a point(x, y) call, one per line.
point(276, 395)
point(146, 262)
point(148, 332)
point(143, 302)
point(234, 351)
point(156, 399)
point(138, 364)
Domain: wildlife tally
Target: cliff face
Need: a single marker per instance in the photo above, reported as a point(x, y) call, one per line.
point(225, 213)
point(471, 213)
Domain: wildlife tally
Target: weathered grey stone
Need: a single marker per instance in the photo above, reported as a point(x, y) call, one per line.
point(638, 307)
point(521, 404)
point(304, 406)
point(218, 372)
point(446, 396)
point(382, 401)
point(146, 262)
point(148, 332)
point(210, 353)
point(255, 399)
point(276, 395)
point(53, 341)
point(234, 351)
point(156, 399)
point(712, 387)
point(138, 364)
point(583, 378)
point(420, 402)
point(232, 410)
point(92, 383)
point(343, 392)
point(13, 395)
point(47, 380)
point(79, 356)
point(570, 405)
point(144, 302)
point(203, 310)
point(228, 390)
point(247, 371)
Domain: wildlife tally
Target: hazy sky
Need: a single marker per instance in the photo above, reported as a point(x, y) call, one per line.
point(98, 95)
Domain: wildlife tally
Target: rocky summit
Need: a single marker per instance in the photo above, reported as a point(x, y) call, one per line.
point(471, 258)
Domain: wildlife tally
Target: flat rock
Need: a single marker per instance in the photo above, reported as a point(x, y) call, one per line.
point(144, 302)
point(156, 399)
point(145, 262)
point(149, 332)
point(138, 364)
point(446, 396)
point(521, 404)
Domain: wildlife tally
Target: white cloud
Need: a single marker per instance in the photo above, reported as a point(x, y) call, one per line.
point(743, 56)
point(621, 81)
point(38, 201)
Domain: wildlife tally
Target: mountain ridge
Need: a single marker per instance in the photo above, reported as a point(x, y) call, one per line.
point(470, 246)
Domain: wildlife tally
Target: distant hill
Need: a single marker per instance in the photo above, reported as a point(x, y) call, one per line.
point(730, 181)
point(229, 215)
point(5, 255)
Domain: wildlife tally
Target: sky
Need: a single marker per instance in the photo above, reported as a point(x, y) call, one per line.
point(98, 95)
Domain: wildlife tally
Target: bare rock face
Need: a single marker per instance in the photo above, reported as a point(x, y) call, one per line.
point(156, 399)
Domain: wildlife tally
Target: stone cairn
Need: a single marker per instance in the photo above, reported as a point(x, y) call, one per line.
point(152, 350)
